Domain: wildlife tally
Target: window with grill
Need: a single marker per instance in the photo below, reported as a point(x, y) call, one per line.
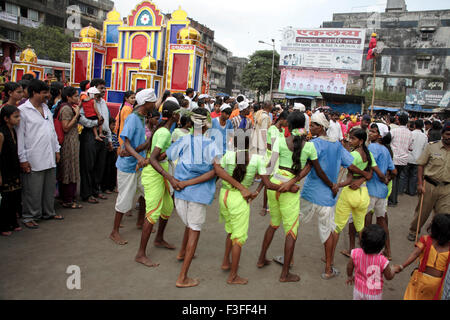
point(427, 36)
point(33, 15)
point(12, 9)
point(83, 8)
point(13, 35)
point(423, 64)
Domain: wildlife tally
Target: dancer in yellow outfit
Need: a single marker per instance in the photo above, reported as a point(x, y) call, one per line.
point(155, 180)
point(274, 131)
point(234, 209)
point(426, 283)
point(354, 198)
point(293, 153)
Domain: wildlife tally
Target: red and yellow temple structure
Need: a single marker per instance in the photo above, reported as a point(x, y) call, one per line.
point(145, 51)
point(27, 64)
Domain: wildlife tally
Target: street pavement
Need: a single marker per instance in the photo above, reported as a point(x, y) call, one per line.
point(34, 262)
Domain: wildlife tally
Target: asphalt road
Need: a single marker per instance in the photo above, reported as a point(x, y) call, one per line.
point(34, 262)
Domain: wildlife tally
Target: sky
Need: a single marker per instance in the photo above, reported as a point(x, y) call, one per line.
point(240, 24)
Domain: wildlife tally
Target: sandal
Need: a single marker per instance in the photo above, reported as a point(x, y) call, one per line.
point(6, 233)
point(280, 260)
point(108, 192)
point(101, 196)
point(73, 205)
point(334, 273)
point(31, 225)
point(58, 217)
point(92, 200)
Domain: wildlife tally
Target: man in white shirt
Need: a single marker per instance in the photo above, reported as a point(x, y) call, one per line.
point(207, 101)
point(93, 152)
point(38, 151)
point(189, 96)
point(262, 125)
point(400, 144)
point(334, 131)
point(419, 143)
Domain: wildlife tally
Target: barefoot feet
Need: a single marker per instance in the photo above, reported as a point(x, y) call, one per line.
point(226, 266)
point(180, 256)
point(262, 264)
point(115, 236)
point(290, 277)
point(237, 280)
point(164, 244)
point(187, 283)
point(146, 261)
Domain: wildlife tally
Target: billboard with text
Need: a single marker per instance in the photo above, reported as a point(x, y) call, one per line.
point(311, 83)
point(324, 49)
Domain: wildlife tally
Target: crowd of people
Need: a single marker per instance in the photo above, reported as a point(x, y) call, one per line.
point(168, 154)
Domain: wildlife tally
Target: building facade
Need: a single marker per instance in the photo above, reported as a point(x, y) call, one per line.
point(415, 51)
point(17, 15)
point(207, 39)
point(235, 69)
point(218, 78)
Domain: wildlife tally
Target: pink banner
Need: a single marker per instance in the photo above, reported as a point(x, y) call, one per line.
point(310, 82)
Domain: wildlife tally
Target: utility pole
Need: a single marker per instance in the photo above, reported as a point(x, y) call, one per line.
point(374, 78)
point(273, 65)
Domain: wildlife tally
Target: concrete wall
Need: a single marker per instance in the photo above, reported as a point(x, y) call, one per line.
point(405, 50)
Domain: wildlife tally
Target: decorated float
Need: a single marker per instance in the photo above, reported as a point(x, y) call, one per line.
point(28, 62)
point(145, 50)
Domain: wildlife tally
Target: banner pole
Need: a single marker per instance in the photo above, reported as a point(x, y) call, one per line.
point(374, 78)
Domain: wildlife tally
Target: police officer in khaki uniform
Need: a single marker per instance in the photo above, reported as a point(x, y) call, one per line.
point(433, 180)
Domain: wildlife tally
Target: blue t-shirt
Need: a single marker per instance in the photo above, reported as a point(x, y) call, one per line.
point(219, 134)
point(384, 161)
point(195, 155)
point(134, 130)
point(332, 155)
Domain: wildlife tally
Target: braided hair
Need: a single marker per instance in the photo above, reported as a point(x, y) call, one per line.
point(241, 168)
point(361, 134)
point(296, 120)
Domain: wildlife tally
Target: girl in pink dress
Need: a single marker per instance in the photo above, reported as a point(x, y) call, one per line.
point(369, 265)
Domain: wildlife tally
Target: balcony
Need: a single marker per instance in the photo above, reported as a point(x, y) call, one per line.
point(215, 69)
point(220, 57)
point(29, 23)
point(8, 17)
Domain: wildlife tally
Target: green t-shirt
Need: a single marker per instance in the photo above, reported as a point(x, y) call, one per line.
point(255, 166)
point(358, 161)
point(178, 133)
point(309, 152)
point(161, 139)
point(273, 132)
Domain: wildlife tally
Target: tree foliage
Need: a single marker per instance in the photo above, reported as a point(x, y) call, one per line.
point(49, 42)
point(258, 72)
